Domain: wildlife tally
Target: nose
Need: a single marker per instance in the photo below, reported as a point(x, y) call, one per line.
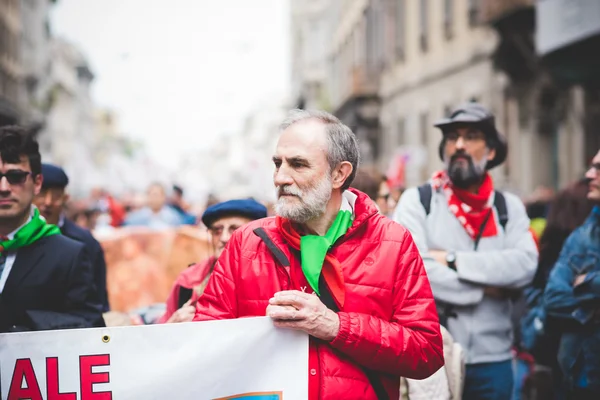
point(460, 143)
point(591, 173)
point(225, 236)
point(48, 199)
point(4, 185)
point(282, 177)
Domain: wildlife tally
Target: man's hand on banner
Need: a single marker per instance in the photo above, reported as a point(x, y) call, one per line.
point(294, 309)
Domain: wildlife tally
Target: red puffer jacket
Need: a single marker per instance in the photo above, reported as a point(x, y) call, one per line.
point(388, 323)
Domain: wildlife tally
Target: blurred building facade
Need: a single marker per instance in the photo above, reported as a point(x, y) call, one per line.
point(68, 135)
point(396, 66)
point(35, 60)
point(310, 34)
point(550, 92)
point(357, 57)
point(11, 70)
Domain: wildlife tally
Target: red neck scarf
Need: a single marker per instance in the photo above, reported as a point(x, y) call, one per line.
point(332, 269)
point(471, 209)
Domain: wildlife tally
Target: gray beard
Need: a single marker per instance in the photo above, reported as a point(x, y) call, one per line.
point(464, 178)
point(313, 202)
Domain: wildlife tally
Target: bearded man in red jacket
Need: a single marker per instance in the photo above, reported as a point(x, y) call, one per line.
point(330, 265)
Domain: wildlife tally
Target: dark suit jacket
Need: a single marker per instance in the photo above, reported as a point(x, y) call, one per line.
point(96, 255)
point(50, 286)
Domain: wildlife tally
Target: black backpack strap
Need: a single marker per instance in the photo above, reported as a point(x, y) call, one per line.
point(425, 194)
point(327, 299)
point(184, 295)
point(500, 204)
point(275, 251)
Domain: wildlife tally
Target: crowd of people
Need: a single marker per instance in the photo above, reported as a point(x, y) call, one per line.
point(450, 290)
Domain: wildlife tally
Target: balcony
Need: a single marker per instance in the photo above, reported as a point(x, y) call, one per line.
point(494, 11)
point(365, 82)
point(514, 20)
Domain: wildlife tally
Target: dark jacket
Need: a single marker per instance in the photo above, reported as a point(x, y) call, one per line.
point(96, 255)
point(50, 286)
point(578, 307)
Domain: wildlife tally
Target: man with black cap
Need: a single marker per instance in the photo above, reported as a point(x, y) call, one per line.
point(222, 220)
point(51, 201)
point(476, 246)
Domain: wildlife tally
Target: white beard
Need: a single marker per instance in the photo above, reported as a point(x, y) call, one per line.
point(312, 202)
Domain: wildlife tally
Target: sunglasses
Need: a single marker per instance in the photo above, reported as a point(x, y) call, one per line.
point(15, 176)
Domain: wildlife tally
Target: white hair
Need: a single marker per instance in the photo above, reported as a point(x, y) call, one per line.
point(341, 141)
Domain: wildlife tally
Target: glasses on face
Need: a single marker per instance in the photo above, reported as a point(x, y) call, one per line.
point(218, 230)
point(469, 136)
point(15, 176)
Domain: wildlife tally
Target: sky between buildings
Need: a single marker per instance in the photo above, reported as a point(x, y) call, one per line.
point(180, 73)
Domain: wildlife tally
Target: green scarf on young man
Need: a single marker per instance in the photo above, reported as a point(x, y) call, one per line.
point(34, 230)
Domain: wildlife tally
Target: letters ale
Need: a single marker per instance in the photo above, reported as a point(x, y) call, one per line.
point(24, 383)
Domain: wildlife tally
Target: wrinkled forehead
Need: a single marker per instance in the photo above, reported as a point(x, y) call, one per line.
point(306, 139)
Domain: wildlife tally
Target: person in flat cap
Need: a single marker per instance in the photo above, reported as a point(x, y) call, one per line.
point(51, 202)
point(476, 246)
point(221, 219)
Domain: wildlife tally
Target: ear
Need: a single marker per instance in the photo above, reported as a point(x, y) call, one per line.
point(491, 154)
point(66, 197)
point(341, 174)
point(37, 184)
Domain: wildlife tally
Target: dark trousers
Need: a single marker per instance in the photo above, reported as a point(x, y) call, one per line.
point(489, 381)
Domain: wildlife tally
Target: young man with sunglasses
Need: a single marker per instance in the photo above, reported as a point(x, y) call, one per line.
point(572, 298)
point(51, 201)
point(46, 279)
point(222, 220)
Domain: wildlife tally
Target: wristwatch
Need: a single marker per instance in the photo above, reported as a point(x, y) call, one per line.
point(451, 260)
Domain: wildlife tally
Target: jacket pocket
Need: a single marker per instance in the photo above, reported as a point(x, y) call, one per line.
point(584, 263)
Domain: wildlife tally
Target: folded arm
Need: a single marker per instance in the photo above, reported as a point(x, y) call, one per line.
point(445, 282)
point(561, 299)
point(512, 267)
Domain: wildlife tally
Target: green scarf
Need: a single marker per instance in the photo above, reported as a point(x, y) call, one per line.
point(314, 248)
point(29, 233)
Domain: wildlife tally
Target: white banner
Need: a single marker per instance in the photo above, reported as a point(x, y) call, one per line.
point(246, 358)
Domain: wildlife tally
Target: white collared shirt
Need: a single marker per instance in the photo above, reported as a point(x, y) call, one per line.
point(12, 255)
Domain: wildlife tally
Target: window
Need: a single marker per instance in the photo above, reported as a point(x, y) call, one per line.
point(401, 136)
point(424, 126)
point(448, 19)
point(447, 111)
point(424, 26)
point(400, 33)
point(423, 142)
point(369, 36)
point(473, 12)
